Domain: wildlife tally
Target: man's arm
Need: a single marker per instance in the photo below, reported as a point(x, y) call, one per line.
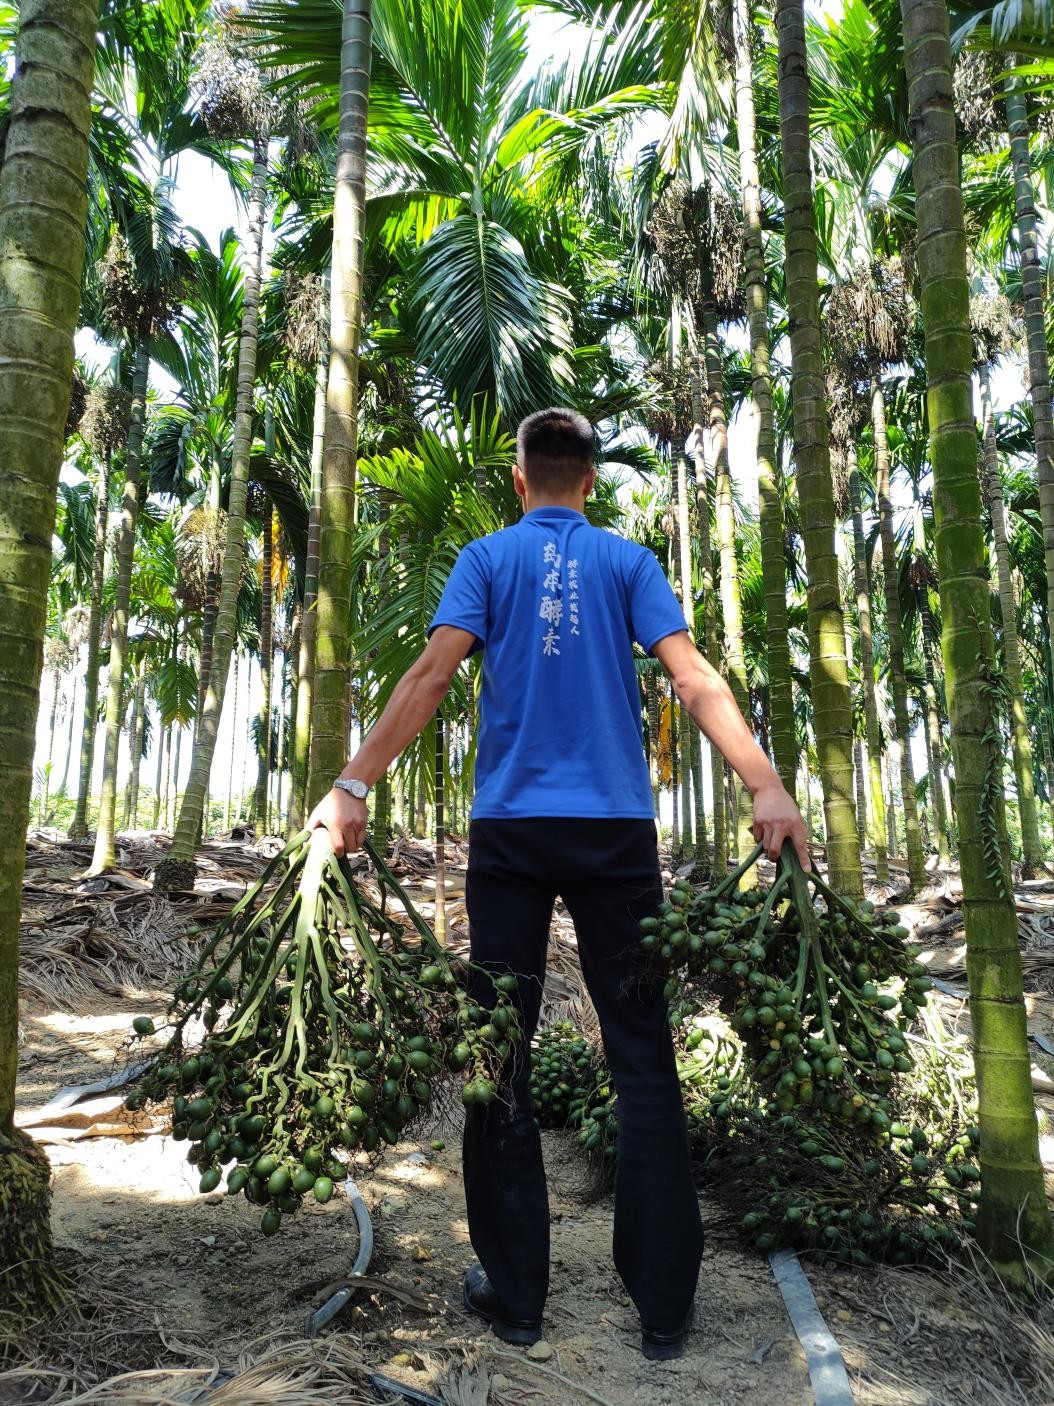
point(414, 701)
point(709, 700)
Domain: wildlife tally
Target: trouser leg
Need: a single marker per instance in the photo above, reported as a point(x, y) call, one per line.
point(658, 1237)
point(510, 907)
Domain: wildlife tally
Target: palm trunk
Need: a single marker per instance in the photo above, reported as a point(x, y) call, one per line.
point(683, 552)
point(234, 747)
point(132, 816)
point(279, 769)
point(675, 777)
point(859, 774)
point(329, 720)
point(651, 696)
point(382, 791)
point(1021, 744)
point(712, 649)
point(309, 628)
point(263, 743)
point(1032, 288)
point(942, 803)
point(43, 206)
point(105, 856)
point(832, 709)
point(724, 520)
point(294, 690)
point(807, 786)
point(1048, 762)
point(173, 793)
point(891, 807)
point(877, 808)
point(440, 757)
point(159, 775)
point(177, 869)
point(1013, 1220)
point(208, 632)
point(770, 510)
point(56, 687)
point(895, 636)
point(72, 713)
point(79, 828)
point(687, 814)
point(699, 810)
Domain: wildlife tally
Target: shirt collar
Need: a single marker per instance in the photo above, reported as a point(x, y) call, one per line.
point(553, 511)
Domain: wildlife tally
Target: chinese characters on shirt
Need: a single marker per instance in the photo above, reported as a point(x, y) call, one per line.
point(551, 609)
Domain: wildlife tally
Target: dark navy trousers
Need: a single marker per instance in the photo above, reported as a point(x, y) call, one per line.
point(607, 873)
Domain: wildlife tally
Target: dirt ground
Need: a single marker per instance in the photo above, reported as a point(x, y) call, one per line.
point(205, 1281)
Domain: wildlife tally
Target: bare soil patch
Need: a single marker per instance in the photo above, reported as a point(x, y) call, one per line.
point(199, 1281)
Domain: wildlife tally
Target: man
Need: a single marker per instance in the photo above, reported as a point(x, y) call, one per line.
point(563, 807)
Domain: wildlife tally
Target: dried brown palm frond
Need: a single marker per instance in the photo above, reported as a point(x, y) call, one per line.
point(305, 331)
point(126, 302)
point(846, 417)
point(107, 415)
point(75, 625)
point(669, 413)
point(228, 90)
point(978, 102)
point(200, 544)
point(995, 327)
point(142, 949)
point(58, 654)
point(78, 401)
point(868, 318)
point(289, 1371)
point(689, 228)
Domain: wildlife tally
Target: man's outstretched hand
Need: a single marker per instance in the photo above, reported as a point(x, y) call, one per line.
point(343, 816)
point(777, 818)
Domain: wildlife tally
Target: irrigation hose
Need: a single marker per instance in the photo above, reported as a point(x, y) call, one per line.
point(336, 1302)
point(823, 1356)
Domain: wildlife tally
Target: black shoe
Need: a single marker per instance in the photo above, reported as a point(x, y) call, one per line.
point(479, 1298)
point(663, 1347)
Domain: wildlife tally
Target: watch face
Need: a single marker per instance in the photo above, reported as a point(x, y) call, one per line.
point(358, 789)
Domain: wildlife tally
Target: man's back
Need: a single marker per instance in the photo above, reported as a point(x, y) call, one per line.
point(556, 605)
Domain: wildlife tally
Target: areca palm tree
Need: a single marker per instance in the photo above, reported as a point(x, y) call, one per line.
point(105, 428)
point(251, 115)
point(43, 170)
point(832, 708)
point(1014, 1220)
point(755, 287)
point(138, 283)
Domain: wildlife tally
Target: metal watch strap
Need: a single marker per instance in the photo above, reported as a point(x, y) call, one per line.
point(353, 786)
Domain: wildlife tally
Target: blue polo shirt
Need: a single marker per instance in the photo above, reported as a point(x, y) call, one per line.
point(555, 604)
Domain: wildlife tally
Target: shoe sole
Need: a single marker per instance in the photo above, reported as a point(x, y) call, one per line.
point(507, 1332)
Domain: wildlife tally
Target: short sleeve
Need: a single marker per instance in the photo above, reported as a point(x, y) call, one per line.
point(655, 611)
point(466, 597)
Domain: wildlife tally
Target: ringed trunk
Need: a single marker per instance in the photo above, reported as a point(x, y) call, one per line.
point(832, 709)
point(724, 520)
point(770, 509)
point(43, 207)
point(105, 856)
point(79, 828)
point(177, 869)
point(895, 636)
point(1020, 741)
point(1013, 1221)
point(329, 720)
point(876, 811)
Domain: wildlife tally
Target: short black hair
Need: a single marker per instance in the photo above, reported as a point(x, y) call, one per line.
point(555, 448)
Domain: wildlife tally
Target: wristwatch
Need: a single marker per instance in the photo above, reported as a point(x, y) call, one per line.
point(355, 788)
